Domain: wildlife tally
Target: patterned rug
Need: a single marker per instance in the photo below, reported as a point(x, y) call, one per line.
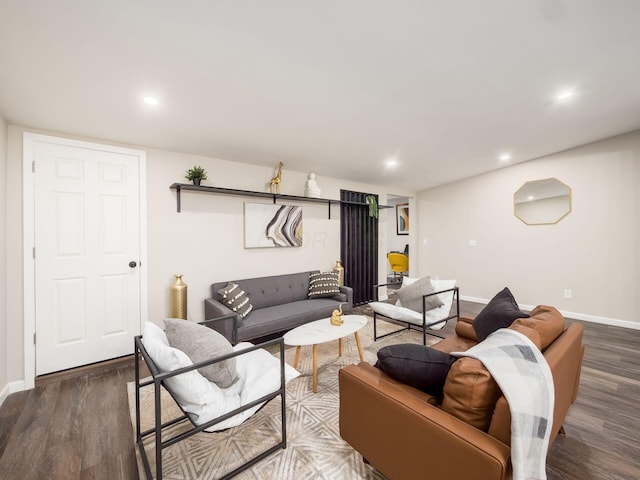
point(314, 447)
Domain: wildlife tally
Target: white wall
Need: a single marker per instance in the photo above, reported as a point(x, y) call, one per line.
point(4, 359)
point(204, 242)
point(593, 250)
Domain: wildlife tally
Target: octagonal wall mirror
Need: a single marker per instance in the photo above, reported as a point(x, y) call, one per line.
point(542, 202)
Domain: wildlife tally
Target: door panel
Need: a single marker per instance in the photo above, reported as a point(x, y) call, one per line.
point(87, 305)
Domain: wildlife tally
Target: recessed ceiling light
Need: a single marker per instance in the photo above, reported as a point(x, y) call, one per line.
point(530, 197)
point(504, 157)
point(391, 163)
point(151, 100)
point(564, 95)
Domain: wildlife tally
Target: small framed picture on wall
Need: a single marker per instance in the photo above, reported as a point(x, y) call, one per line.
point(402, 219)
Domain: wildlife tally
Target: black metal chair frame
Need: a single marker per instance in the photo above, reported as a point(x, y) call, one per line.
point(413, 326)
point(158, 381)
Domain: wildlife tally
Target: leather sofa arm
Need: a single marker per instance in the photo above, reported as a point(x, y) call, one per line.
point(464, 328)
point(402, 435)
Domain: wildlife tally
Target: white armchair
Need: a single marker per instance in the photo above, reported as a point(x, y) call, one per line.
point(423, 318)
point(261, 377)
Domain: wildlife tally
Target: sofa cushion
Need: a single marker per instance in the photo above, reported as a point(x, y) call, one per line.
point(529, 332)
point(410, 295)
point(236, 299)
point(547, 321)
point(470, 392)
point(279, 318)
point(416, 365)
point(201, 343)
point(324, 284)
point(500, 312)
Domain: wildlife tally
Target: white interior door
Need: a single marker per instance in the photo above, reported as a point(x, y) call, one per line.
point(87, 255)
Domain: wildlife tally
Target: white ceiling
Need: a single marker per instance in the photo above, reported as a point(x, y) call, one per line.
point(330, 86)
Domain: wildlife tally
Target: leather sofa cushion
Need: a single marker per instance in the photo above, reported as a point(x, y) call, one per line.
point(471, 393)
point(547, 321)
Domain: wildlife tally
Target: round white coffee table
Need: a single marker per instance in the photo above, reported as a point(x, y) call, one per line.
point(321, 331)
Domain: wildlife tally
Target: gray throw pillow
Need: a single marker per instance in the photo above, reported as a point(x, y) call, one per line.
point(236, 299)
point(411, 295)
point(201, 343)
point(325, 284)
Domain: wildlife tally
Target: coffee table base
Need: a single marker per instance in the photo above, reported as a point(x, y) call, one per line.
point(315, 358)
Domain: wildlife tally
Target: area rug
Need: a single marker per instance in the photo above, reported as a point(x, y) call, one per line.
point(314, 447)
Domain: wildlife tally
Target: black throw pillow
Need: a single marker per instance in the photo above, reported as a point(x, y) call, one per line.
point(500, 312)
point(416, 365)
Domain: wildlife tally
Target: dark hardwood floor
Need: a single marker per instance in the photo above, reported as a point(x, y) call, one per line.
point(79, 428)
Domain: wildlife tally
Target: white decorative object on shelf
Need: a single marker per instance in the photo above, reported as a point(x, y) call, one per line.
point(312, 190)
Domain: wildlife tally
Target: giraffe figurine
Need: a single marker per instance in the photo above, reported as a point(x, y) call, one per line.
point(275, 181)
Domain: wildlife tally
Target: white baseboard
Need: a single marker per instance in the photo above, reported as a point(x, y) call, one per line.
point(4, 393)
point(474, 299)
point(574, 315)
point(10, 388)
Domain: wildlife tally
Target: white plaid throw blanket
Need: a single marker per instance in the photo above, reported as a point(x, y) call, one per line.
point(523, 375)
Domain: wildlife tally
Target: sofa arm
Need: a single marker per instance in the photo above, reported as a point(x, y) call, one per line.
point(213, 309)
point(464, 328)
point(348, 291)
point(402, 435)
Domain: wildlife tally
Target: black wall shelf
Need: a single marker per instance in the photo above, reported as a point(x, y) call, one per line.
point(178, 187)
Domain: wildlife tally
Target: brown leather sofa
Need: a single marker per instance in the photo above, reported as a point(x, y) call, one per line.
point(406, 433)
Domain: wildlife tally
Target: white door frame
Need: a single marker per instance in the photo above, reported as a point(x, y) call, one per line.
point(28, 237)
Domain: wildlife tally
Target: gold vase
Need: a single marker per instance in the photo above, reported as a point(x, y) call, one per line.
point(178, 298)
point(339, 269)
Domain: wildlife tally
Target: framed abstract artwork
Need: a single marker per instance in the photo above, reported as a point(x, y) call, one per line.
point(267, 225)
point(402, 219)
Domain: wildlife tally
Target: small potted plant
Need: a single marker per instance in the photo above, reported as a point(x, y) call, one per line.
point(196, 175)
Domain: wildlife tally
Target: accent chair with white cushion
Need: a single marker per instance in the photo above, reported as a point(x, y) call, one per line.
point(423, 303)
point(216, 385)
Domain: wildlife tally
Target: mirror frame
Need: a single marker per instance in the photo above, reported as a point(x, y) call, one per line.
point(569, 198)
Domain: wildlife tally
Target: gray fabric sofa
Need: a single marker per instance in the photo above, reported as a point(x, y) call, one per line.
point(280, 303)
